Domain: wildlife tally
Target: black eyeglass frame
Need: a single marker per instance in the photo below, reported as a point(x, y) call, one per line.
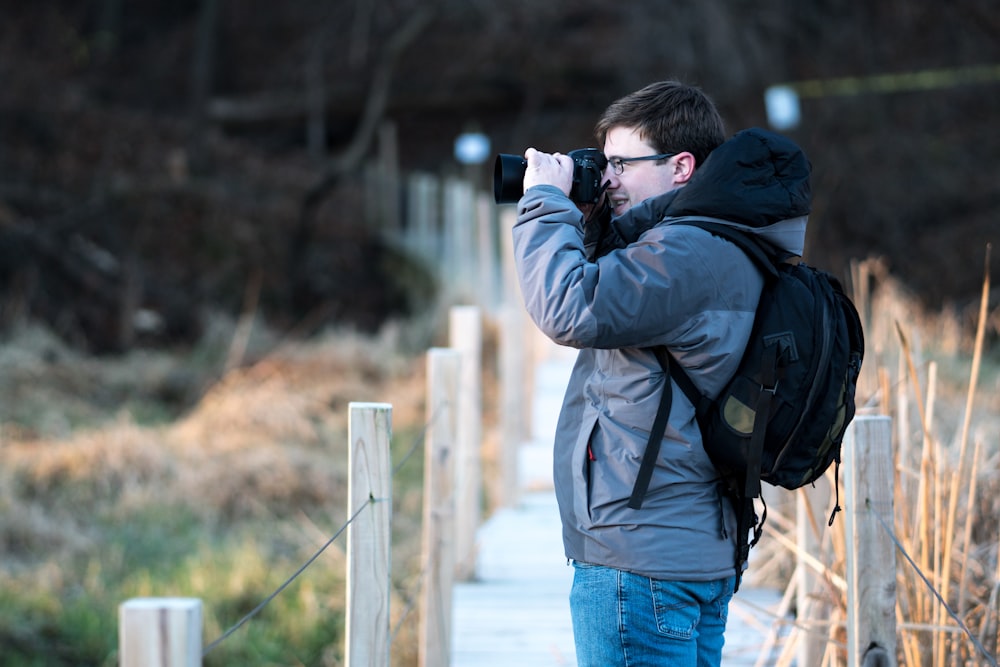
point(618, 163)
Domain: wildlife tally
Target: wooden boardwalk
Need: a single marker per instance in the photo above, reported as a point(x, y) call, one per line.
point(515, 612)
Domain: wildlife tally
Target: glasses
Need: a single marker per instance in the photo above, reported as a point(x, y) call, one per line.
point(618, 163)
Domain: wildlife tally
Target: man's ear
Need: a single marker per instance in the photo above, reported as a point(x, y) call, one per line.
point(684, 165)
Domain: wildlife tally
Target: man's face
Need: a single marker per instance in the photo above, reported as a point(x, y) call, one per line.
point(638, 180)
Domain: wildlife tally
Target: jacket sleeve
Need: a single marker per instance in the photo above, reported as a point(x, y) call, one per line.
point(673, 286)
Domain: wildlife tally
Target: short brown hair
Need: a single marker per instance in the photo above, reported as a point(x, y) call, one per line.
point(671, 116)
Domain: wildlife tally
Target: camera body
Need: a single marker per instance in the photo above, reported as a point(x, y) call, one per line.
point(588, 173)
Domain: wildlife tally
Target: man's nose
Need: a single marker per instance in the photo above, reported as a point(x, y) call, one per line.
point(610, 177)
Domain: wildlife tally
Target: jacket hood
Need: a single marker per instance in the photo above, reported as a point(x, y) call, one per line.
point(757, 180)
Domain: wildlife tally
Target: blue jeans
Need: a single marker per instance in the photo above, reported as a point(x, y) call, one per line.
point(622, 619)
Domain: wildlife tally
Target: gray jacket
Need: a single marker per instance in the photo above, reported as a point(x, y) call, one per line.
point(643, 282)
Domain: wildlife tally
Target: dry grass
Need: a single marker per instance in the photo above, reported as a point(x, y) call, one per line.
point(270, 435)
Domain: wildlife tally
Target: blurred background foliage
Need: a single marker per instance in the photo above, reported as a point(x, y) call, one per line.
point(159, 159)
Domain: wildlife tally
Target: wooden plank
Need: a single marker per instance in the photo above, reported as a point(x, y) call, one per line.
point(516, 612)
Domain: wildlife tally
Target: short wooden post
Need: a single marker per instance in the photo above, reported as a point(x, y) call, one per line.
point(438, 557)
point(465, 334)
point(160, 632)
point(871, 555)
point(368, 536)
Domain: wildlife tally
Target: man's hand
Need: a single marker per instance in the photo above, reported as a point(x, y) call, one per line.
point(548, 169)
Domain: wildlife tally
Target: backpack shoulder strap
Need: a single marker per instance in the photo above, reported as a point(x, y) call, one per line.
point(701, 404)
point(698, 400)
point(655, 433)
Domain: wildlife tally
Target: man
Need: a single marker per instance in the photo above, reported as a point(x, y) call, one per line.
point(651, 585)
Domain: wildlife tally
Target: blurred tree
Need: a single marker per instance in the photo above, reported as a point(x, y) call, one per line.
point(201, 143)
point(349, 159)
point(202, 70)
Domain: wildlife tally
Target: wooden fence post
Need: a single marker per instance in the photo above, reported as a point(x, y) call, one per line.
point(423, 211)
point(458, 263)
point(368, 536)
point(438, 557)
point(160, 632)
point(512, 407)
point(465, 334)
point(511, 298)
point(488, 263)
point(871, 555)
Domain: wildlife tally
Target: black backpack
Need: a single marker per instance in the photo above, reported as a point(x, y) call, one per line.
point(781, 418)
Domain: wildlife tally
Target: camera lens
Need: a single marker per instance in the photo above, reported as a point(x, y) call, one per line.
point(508, 178)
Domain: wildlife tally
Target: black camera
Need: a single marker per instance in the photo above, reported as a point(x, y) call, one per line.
point(588, 173)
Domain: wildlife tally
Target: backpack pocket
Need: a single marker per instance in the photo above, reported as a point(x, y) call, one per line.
point(738, 408)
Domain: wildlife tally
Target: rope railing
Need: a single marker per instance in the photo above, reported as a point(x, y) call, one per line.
point(413, 448)
point(930, 586)
point(256, 610)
